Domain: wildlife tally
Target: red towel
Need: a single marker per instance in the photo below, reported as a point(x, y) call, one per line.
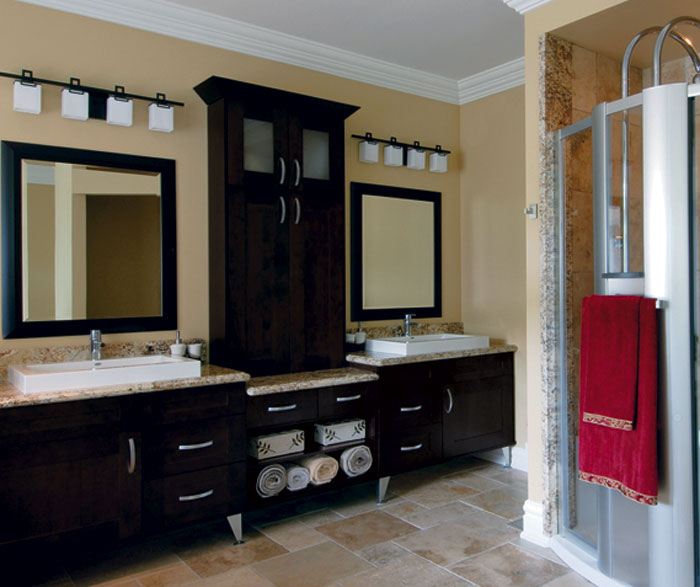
point(609, 354)
point(614, 457)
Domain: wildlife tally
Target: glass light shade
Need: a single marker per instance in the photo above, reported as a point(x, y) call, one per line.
point(369, 152)
point(438, 162)
point(26, 98)
point(74, 104)
point(161, 117)
point(120, 111)
point(393, 155)
point(415, 159)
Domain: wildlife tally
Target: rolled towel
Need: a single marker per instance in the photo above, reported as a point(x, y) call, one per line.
point(322, 468)
point(271, 480)
point(297, 476)
point(356, 460)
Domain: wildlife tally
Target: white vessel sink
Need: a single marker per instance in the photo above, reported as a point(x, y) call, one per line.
point(426, 344)
point(42, 377)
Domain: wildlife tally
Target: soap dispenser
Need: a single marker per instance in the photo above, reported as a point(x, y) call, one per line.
point(178, 349)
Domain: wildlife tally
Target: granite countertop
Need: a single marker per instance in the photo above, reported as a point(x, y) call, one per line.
point(386, 359)
point(11, 397)
point(308, 380)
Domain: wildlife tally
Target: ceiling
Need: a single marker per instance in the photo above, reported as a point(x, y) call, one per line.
point(450, 50)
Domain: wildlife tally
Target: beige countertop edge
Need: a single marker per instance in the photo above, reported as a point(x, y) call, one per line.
point(307, 380)
point(386, 359)
point(11, 397)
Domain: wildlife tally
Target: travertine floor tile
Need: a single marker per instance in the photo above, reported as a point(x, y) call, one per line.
point(506, 502)
point(179, 574)
point(243, 577)
point(508, 565)
point(404, 509)
point(434, 516)
point(569, 580)
point(314, 566)
point(381, 554)
point(475, 481)
point(319, 518)
point(406, 572)
point(361, 499)
point(366, 529)
point(513, 478)
point(292, 534)
point(439, 493)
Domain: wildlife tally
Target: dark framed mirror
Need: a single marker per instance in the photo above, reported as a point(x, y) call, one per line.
point(88, 242)
point(395, 252)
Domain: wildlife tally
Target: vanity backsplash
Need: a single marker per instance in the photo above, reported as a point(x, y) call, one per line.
point(397, 330)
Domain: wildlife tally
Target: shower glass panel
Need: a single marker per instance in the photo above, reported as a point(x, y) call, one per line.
point(575, 170)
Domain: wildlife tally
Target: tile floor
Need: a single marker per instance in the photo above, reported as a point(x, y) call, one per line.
point(453, 524)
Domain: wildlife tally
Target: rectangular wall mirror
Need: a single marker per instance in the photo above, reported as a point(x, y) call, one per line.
point(395, 252)
point(88, 241)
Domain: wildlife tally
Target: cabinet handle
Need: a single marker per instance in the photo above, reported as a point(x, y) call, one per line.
point(206, 444)
point(131, 466)
point(412, 448)
point(348, 398)
point(411, 408)
point(282, 408)
point(449, 396)
point(196, 496)
point(297, 168)
point(297, 216)
point(283, 215)
point(283, 170)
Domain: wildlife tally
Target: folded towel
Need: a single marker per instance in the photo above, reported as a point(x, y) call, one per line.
point(356, 460)
point(626, 460)
point(297, 476)
point(271, 480)
point(322, 468)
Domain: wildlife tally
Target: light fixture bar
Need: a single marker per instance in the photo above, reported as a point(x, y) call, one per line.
point(369, 137)
point(84, 88)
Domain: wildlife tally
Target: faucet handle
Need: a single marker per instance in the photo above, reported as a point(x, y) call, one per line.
point(95, 335)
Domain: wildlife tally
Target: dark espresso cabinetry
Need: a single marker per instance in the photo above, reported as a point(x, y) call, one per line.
point(276, 228)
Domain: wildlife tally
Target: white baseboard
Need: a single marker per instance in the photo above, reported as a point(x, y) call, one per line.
point(518, 457)
point(533, 524)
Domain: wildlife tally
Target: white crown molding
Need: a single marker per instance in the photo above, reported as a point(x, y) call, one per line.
point(523, 6)
point(166, 18)
point(494, 80)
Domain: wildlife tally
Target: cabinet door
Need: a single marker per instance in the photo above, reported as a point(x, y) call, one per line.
point(478, 415)
point(317, 244)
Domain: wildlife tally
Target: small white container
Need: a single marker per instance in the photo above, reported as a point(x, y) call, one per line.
point(276, 445)
point(178, 350)
point(341, 431)
point(194, 350)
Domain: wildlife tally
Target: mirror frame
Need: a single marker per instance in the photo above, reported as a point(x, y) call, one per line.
point(13, 325)
point(357, 311)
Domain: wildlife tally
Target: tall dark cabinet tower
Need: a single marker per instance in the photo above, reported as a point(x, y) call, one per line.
point(276, 228)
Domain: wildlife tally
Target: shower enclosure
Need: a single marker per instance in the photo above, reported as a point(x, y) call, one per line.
point(635, 199)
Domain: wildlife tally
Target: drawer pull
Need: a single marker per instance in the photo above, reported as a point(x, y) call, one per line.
point(287, 408)
point(206, 444)
point(131, 465)
point(412, 408)
point(196, 496)
point(412, 448)
point(348, 398)
point(452, 403)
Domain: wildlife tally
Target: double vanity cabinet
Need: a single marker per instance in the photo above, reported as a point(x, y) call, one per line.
point(137, 461)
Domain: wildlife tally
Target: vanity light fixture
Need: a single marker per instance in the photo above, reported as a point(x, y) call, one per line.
point(393, 153)
point(397, 153)
point(26, 94)
point(81, 102)
point(369, 149)
point(161, 115)
point(75, 103)
point(415, 157)
point(438, 160)
point(120, 110)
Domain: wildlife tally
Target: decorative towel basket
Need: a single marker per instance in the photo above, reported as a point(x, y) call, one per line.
point(342, 431)
point(276, 445)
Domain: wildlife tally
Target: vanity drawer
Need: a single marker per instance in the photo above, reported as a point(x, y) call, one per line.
point(344, 401)
point(415, 405)
point(281, 408)
point(469, 368)
point(410, 449)
point(178, 499)
point(197, 445)
point(195, 403)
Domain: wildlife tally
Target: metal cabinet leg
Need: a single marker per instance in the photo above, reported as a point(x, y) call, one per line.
point(382, 486)
point(508, 456)
point(235, 521)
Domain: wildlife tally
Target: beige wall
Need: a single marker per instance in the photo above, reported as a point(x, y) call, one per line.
point(58, 45)
point(492, 136)
point(538, 22)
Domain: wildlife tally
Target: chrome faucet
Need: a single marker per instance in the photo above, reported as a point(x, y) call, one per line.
point(96, 345)
point(408, 324)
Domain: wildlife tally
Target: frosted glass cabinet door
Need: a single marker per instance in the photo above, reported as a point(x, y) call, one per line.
point(316, 156)
point(258, 146)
